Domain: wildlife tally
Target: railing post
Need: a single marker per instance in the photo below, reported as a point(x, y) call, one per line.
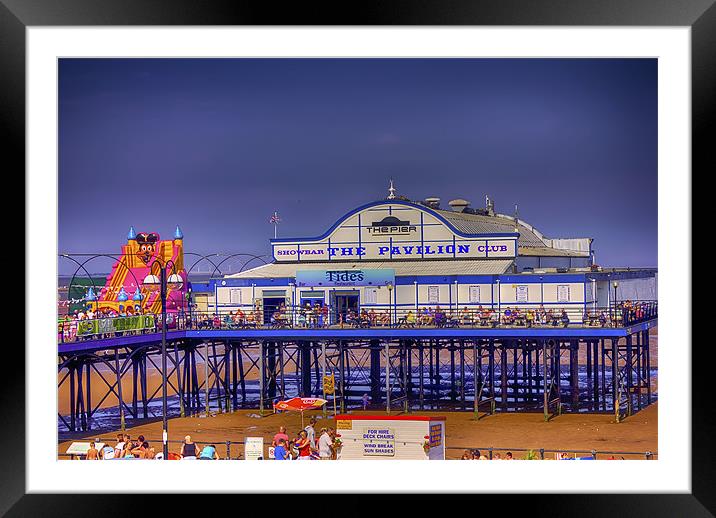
point(541, 453)
point(594, 454)
point(649, 455)
point(489, 453)
point(228, 450)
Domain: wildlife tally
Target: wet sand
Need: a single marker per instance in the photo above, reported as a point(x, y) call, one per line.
point(637, 433)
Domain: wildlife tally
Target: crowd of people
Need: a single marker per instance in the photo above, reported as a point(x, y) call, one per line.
point(125, 448)
point(315, 315)
point(477, 455)
point(307, 444)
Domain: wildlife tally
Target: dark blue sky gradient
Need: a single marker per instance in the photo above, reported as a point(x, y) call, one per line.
point(216, 145)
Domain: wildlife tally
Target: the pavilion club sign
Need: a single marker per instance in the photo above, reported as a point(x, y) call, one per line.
point(391, 225)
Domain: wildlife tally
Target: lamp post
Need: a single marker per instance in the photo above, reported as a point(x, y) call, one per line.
point(616, 285)
point(152, 281)
point(390, 293)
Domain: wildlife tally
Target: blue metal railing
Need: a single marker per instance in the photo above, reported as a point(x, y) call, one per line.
point(297, 317)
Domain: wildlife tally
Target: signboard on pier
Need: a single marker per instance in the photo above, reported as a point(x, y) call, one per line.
point(394, 230)
point(363, 277)
point(100, 326)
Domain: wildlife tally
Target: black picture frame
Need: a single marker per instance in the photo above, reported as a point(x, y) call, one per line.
point(700, 15)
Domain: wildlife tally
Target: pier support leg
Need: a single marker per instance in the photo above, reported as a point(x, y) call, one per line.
point(305, 354)
point(118, 372)
point(545, 392)
point(261, 378)
point(574, 373)
point(615, 380)
point(387, 377)
point(375, 354)
point(503, 375)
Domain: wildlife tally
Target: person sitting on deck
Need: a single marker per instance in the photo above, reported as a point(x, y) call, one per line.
point(551, 319)
point(602, 319)
point(529, 318)
point(466, 316)
point(564, 318)
point(494, 318)
point(309, 315)
point(373, 316)
point(410, 319)
point(541, 315)
point(484, 314)
point(276, 319)
point(385, 318)
point(439, 317)
point(507, 317)
point(364, 318)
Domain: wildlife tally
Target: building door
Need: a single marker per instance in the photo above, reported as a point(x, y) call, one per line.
point(343, 302)
point(270, 306)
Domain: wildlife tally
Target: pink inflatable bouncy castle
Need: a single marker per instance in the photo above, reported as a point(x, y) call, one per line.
point(125, 288)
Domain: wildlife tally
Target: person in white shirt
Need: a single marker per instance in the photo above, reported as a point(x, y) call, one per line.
point(324, 445)
point(311, 433)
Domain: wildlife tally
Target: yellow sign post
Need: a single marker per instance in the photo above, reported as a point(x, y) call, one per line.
point(329, 387)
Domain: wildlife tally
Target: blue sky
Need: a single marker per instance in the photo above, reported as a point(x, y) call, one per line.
point(216, 145)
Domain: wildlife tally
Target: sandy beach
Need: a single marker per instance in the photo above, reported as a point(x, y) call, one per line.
point(637, 433)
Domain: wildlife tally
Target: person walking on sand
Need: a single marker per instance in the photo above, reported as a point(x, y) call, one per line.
point(366, 401)
point(311, 432)
point(303, 445)
point(280, 435)
point(325, 441)
point(279, 452)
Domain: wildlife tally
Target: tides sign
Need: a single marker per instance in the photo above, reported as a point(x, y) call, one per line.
point(366, 277)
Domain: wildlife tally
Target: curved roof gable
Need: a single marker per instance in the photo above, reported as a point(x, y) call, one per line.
point(445, 217)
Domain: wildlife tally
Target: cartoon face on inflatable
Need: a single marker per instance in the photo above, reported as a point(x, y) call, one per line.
point(147, 245)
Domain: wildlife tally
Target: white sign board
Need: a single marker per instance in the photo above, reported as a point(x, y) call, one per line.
point(521, 295)
point(474, 294)
point(253, 448)
point(563, 293)
point(413, 437)
point(395, 230)
point(379, 441)
point(433, 293)
point(80, 448)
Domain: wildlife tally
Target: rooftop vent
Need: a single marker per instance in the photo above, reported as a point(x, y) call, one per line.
point(459, 205)
point(433, 203)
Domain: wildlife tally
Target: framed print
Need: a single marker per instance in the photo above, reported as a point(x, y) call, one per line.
point(194, 129)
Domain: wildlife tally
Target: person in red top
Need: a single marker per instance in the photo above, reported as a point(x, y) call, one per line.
point(303, 445)
point(280, 435)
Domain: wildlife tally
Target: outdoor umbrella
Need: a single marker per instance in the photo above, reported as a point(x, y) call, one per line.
point(299, 404)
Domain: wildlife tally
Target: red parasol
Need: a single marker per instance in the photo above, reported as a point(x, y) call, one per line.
point(299, 404)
